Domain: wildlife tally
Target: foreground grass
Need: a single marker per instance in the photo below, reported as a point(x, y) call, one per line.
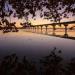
point(49, 65)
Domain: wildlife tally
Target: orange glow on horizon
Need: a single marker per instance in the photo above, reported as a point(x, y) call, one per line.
point(39, 21)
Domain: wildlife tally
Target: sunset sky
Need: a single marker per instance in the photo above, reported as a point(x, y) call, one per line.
point(38, 20)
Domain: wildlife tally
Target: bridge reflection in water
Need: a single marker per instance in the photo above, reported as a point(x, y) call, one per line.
point(45, 29)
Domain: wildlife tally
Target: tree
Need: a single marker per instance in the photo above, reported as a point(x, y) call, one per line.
point(52, 64)
point(56, 9)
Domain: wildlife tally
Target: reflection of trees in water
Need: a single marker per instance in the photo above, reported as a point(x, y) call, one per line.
point(53, 64)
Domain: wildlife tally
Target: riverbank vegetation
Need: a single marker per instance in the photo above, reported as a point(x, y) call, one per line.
point(53, 64)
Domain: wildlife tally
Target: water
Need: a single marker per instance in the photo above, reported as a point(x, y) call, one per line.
point(34, 46)
point(71, 33)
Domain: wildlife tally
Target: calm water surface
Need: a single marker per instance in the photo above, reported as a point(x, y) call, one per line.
point(71, 33)
point(34, 46)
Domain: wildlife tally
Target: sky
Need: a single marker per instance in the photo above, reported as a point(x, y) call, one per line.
point(38, 20)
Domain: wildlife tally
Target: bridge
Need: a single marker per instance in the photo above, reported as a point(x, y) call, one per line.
point(35, 28)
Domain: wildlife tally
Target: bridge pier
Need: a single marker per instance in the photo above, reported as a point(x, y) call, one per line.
point(66, 32)
point(37, 29)
point(41, 28)
point(29, 29)
point(46, 30)
point(33, 29)
point(53, 30)
point(65, 24)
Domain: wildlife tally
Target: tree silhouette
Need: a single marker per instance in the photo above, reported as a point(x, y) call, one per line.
point(11, 65)
point(52, 64)
point(58, 9)
point(70, 68)
point(49, 9)
point(26, 24)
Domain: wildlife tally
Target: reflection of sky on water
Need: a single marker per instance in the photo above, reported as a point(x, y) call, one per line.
point(34, 45)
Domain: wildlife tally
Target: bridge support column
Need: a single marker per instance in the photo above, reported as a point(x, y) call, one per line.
point(37, 29)
point(33, 29)
point(46, 30)
point(53, 30)
point(29, 28)
point(66, 34)
point(41, 28)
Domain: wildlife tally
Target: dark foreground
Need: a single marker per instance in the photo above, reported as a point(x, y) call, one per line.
point(53, 64)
